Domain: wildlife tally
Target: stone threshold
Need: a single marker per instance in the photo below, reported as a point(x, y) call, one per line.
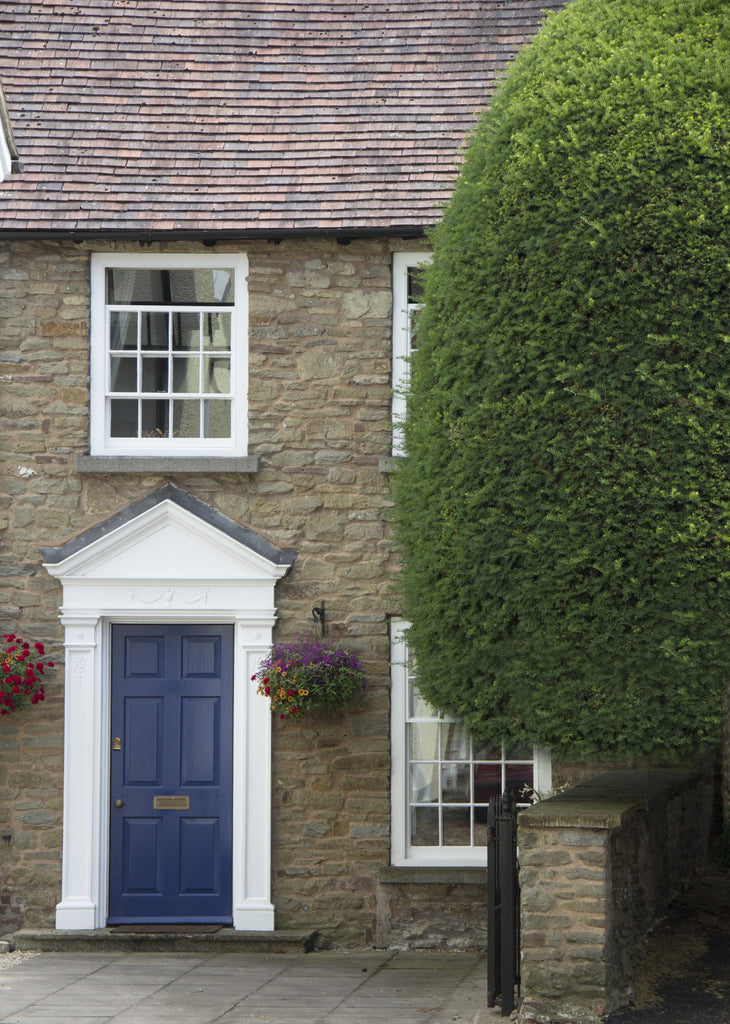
point(225, 940)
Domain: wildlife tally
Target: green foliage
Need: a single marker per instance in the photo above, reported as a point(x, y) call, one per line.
point(564, 504)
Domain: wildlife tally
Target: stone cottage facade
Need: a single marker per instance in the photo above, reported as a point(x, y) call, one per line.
point(210, 224)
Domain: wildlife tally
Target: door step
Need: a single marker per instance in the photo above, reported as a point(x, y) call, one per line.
point(166, 929)
point(181, 940)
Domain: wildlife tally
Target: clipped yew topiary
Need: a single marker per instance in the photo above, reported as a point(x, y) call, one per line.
point(564, 504)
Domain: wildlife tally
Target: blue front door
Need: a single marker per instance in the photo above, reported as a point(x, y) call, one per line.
point(171, 774)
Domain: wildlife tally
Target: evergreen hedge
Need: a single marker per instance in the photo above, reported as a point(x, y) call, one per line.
point(563, 508)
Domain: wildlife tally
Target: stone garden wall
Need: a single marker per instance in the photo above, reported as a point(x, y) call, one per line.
point(599, 865)
point(320, 421)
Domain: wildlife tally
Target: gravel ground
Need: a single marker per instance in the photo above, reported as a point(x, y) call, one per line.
point(686, 976)
point(10, 959)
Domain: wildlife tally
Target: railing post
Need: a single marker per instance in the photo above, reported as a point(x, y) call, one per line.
point(508, 891)
point(503, 909)
point(493, 908)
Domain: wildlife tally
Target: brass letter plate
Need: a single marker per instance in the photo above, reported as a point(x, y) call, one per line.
point(171, 803)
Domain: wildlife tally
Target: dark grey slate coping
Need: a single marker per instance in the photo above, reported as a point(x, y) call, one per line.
point(433, 876)
point(166, 464)
point(249, 538)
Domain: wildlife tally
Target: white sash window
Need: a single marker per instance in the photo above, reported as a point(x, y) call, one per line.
point(169, 354)
point(407, 295)
point(442, 779)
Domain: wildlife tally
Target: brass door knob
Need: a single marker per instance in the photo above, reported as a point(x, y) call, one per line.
point(119, 803)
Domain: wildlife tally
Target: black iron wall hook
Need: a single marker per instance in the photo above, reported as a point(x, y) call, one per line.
point(319, 618)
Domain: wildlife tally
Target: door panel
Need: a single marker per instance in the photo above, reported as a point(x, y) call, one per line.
point(142, 844)
point(199, 848)
point(200, 727)
point(142, 741)
point(172, 707)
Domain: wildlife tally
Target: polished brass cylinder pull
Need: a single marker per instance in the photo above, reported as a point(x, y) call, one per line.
point(119, 803)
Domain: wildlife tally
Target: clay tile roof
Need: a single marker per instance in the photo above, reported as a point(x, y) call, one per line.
point(245, 116)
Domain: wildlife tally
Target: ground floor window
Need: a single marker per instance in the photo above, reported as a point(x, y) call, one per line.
point(442, 779)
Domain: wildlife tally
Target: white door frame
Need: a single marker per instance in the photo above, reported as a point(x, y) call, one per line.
point(166, 564)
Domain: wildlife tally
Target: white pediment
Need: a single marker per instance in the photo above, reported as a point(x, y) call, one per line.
point(168, 542)
point(168, 558)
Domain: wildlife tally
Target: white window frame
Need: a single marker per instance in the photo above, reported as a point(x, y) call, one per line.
point(403, 853)
point(6, 160)
point(403, 313)
point(8, 152)
point(101, 443)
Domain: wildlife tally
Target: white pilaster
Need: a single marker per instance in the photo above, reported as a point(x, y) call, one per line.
point(79, 902)
point(252, 906)
point(165, 565)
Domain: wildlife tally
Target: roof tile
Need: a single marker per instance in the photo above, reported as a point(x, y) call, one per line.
point(276, 115)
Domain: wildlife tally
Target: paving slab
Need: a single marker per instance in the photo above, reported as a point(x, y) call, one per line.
point(325, 987)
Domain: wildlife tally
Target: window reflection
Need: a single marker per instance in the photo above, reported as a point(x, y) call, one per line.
point(452, 778)
point(185, 353)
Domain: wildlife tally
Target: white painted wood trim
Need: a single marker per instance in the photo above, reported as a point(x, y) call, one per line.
point(402, 261)
point(93, 598)
point(100, 442)
point(252, 906)
point(82, 731)
point(402, 854)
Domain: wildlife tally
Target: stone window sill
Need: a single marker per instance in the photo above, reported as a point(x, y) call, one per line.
point(389, 463)
point(432, 876)
point(168, 464)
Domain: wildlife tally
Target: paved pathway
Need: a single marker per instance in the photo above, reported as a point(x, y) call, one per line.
point(328, 987)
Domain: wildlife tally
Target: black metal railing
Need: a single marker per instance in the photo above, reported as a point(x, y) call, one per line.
point(503, 907)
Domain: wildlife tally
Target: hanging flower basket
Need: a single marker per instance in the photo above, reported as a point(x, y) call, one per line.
point(305, 674)
point(20, 675)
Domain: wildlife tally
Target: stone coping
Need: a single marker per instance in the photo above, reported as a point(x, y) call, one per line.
point(604, 801)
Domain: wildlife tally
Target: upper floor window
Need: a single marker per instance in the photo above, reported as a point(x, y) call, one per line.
point(8, 152)
point(169, 354)
point(442, 779)
point(407, 299)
